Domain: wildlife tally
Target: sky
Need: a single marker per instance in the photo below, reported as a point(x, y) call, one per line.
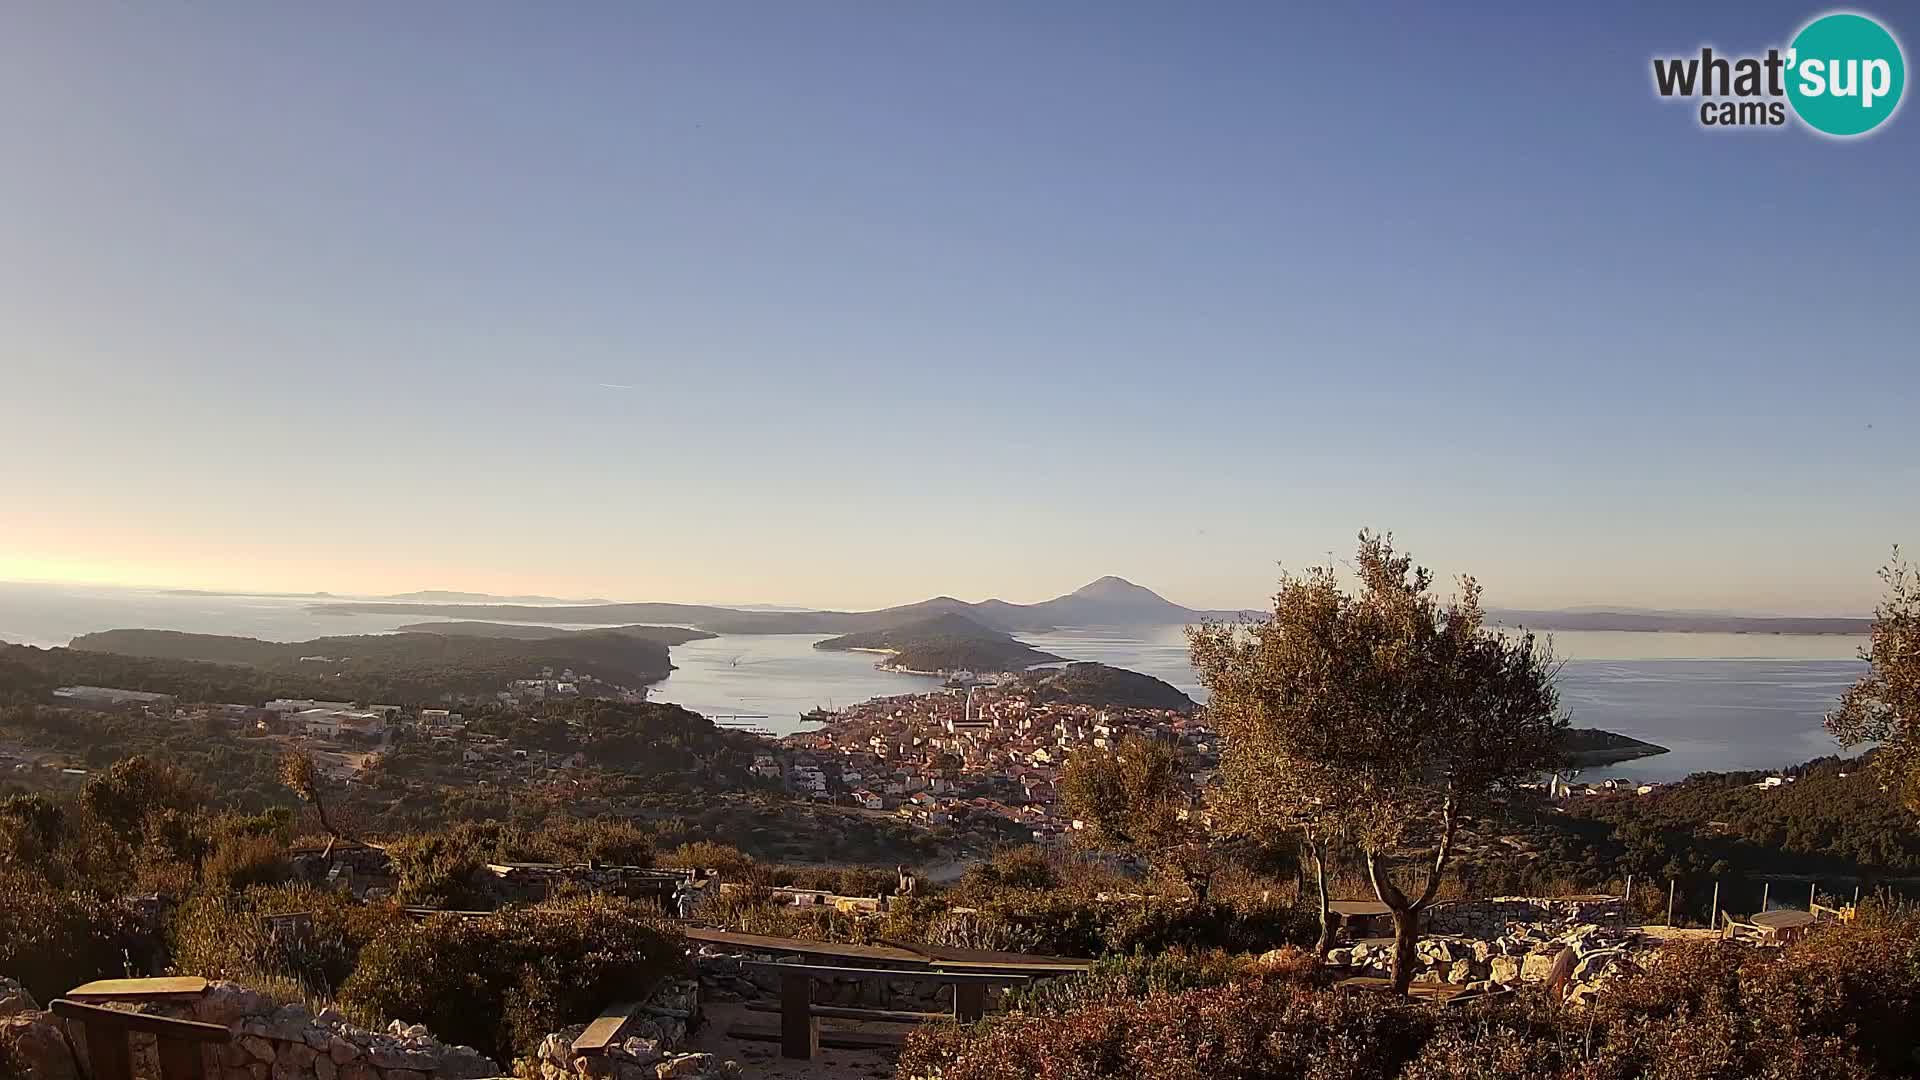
point(849, 304)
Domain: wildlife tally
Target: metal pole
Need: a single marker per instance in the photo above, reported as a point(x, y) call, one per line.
point(1713, 916)
point(1630, 890)
point(1766, 888)
point(1669, 901)
point(1813, 890)
point(1856, 896)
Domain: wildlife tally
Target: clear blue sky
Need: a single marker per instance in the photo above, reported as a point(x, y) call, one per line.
point(853, 303)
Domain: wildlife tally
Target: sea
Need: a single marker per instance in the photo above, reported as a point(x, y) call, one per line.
point(1718, 702)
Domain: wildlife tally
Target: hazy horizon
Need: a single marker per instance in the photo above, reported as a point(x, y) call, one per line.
point(847, 305)
point(496, 597)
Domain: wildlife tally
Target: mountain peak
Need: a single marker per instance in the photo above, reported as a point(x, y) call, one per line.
point(1114, 586)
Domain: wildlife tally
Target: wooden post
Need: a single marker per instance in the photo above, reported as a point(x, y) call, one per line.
point(969, 1002)
point(181, 1060)
point(1713, 913)
point(1766, 890)
point(1670, 884)
point(1813, 890)
point(1856, 896)
point(799, 1029)
point(179, 1041)
point(1629, 890)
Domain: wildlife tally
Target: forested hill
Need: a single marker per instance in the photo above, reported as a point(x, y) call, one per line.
point(401, 668)
point(1589, 747)
point(944, 643)
point(1104, 686)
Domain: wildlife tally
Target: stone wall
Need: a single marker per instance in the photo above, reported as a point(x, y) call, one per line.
point(1511, 940)
point(1490, 918)
point(270, 1042)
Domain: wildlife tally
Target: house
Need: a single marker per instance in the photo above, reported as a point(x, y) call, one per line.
point(333, 723)
point(869, 800)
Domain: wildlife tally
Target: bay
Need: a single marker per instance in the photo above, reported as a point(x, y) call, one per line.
point(1717, 701)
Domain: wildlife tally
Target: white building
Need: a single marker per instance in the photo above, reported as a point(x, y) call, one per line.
point(333, 723)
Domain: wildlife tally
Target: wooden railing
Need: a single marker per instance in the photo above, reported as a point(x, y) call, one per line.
point(180, 1042)
point(800, 1018)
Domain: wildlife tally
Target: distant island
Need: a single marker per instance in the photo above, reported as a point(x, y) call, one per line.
point(1108, 601)
point(667, 635)
point(1588, 748)
point(1677, 622)
point(407, 668)
point(1103, 687)
point(942, 645)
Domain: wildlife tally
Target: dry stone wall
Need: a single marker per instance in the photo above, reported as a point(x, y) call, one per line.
point(270, 1042)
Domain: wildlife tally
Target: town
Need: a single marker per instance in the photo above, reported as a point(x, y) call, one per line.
point(988, 750)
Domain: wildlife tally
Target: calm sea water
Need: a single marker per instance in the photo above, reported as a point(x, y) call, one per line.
point(1718, 701)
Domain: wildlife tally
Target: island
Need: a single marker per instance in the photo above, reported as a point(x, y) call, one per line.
point(666, 635)
point(406, 668)
point(1591, 747)
point(942, 645)
point(1102, 686)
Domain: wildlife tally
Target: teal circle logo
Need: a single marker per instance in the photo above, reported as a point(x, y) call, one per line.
point(1845, 74)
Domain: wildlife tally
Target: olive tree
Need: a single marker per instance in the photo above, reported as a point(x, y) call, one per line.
point(1386, 716)
point(1132, 799)
point(1884, 706)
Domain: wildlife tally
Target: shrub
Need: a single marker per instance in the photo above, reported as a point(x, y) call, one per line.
point(732, 863)
point(1025, 867)
point(503, 981)
point(1141, 975)
point(1239, 1032)
point(241, 861)
point(442, 869)
point(53, 939)
point(226, 936)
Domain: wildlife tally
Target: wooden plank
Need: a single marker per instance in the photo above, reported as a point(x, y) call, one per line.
point(799, 1029)
point(847, 1012)
point(828, 949)
point(106, 1050)
point(832, 1040)
point(166, 1027)
point(969, 1002)
point(181, 1060)
point(606, 1028)
point(937, 975)
point(182, 986)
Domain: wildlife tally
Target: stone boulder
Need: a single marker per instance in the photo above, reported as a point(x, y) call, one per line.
point(33, 1042)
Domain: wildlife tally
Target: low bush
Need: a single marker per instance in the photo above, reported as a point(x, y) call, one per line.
point(1261, 1031)
point(228, 936)
point(731, 863)
point(54, 939)
point(503, 981)
point(1838, 1005)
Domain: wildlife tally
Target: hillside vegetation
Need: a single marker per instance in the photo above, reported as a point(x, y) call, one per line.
point(411, 667)
point(1103, 686)
point(944, 643)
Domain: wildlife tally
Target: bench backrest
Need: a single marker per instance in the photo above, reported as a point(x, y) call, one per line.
point(106, 1031)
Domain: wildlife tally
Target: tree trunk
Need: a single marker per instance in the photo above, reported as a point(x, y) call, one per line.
point(1406, 939)
point(1326, 917)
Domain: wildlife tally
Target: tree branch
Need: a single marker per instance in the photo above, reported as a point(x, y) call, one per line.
point(1450, 824)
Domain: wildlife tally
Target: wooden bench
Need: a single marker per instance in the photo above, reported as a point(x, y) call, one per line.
point(607, 1029)
point(106, 1031)
point(800, 1018)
